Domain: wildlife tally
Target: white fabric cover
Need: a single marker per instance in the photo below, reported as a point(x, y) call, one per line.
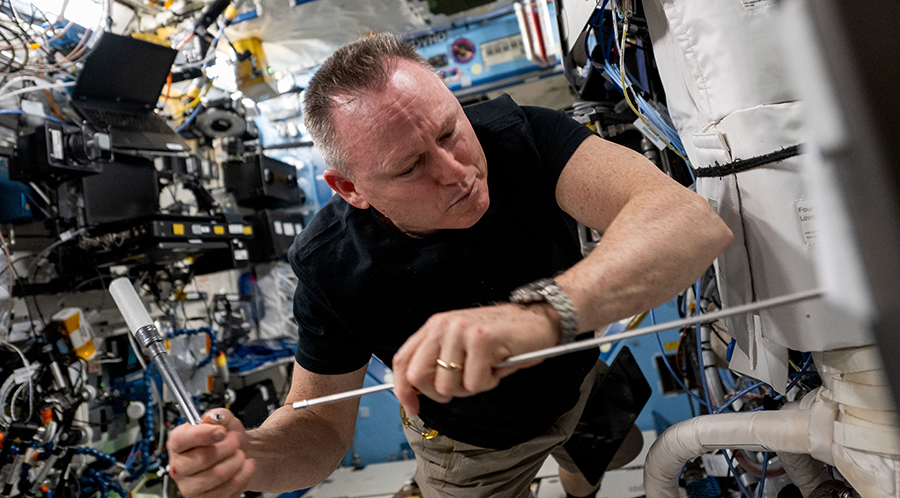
point(729, 98)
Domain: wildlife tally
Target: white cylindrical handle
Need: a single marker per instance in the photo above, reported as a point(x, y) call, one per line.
point(130, 305)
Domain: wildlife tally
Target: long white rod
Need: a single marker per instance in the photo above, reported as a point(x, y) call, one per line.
point(591, 343)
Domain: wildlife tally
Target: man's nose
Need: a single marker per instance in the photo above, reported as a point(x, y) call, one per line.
point(449, 170)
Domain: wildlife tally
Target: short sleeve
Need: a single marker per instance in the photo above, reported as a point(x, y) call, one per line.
point(325, 345)
point(556, 136)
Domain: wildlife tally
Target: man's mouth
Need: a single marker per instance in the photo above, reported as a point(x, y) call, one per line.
point(468, 195)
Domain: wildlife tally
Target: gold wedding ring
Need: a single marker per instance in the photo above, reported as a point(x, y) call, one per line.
point(449, 365)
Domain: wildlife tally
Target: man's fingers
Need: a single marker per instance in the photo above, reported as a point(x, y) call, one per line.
point(203, 458)
point(405, 392)
point(213, 477)
point(409, 399)
point(231, 486)
point(224, 418)
point(449, 366)
point(186, 437)
point(242, 478)
point(421, 371)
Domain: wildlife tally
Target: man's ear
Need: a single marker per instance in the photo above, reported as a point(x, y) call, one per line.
point(345, 188)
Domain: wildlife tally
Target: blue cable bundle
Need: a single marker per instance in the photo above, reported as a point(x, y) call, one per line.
point(99, 455)
point(660, 123)
point(704, 488)
point(143, 446)
point(104, 483)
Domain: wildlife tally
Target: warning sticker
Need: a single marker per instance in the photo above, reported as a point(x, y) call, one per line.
point(806, 210)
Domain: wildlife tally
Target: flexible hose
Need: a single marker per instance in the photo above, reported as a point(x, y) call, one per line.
point(792, 431)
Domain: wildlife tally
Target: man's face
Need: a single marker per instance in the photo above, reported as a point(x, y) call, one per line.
point(412, 154)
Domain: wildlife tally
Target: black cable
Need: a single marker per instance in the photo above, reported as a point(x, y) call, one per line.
point(38, 308)
point(12, 45)
point(717, 333)
point(23, 285)
point(28, 36)
point(12, 58)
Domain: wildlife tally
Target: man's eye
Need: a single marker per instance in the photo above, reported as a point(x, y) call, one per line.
point(407, 171)
point(447, 135)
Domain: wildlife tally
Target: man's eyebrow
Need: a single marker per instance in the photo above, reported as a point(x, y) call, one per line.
point(450, 119)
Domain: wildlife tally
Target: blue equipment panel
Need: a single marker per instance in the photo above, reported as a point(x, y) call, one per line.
point(663, 409)
point(14, 204)
point(379, 432)
point(480, 54)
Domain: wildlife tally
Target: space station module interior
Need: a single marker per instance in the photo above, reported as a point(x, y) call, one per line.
point(155, 169)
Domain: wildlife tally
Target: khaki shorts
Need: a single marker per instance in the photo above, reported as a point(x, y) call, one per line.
point(445, 467)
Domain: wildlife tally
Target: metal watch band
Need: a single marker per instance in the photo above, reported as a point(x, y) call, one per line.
point(547, 290)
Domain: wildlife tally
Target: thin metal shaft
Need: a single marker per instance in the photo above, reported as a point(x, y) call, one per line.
point(341, 396)
point(156, 351)
point(592, 343)
point(708, 317)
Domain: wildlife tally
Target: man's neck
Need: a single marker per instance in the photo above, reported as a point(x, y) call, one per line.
point(392, 226)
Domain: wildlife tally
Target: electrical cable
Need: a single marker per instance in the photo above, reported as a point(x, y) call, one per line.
point(762, 478)
point(13, 111)
point(9, 271)
point(670, 143)
point(674, 375)
point(737, 479)
point(64, 237)
point(36, 88)
point(738, 396)
point(190, 119)
point(797, 378)
point(703, 384)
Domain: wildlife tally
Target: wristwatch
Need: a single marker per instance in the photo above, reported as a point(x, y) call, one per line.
point(547, 290)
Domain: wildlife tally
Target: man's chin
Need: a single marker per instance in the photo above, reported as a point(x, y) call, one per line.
point(478, 212)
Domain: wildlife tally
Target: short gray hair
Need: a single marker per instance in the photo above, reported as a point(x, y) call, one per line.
point(360, 66)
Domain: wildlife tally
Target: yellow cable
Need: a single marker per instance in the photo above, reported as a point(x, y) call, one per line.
point(207, 87)
point(628, 100)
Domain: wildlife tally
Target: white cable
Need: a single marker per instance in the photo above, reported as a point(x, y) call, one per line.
point(63, 238)
point(36, 88)
point(21, 376)
point(17, 79)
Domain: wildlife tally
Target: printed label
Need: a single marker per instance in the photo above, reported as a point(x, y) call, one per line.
point(56, 145)
point(757, 4)
point(502, 50)
point(807, 212)
point(653, 137)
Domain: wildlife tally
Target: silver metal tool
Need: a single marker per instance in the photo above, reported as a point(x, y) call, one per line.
point(591, 343)
point(708, 317)
point(140, 324)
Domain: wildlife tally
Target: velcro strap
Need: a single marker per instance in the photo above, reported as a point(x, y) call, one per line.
point(878, 440)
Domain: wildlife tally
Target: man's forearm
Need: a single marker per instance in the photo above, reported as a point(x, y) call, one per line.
point(293, 450)
point(655, 248)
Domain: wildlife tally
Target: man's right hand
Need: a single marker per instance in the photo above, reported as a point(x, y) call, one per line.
point(208, 460)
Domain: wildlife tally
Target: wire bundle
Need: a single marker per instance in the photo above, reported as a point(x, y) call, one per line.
point(656, 122)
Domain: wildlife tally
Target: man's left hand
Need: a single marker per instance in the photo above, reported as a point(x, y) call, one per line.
point(470, 344)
